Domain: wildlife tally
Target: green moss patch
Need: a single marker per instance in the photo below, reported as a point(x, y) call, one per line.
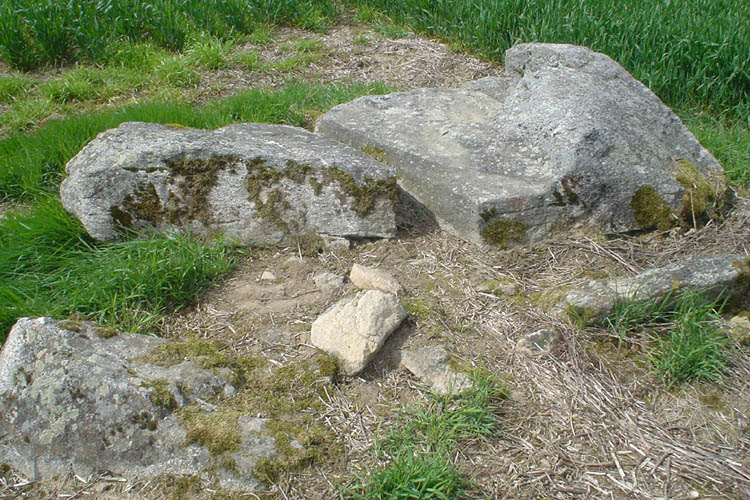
point(500, 233)
point(376, 153)
point(160, 394)
point(263, 178)
point(289, 398)
point(705, 197)
point(650, 211)
point(202, 353)
point(218, 431)
point(195, 178)
point(143, 205)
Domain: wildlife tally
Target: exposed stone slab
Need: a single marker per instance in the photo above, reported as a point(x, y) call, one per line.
point(77, 397)
point(369, 278)
point(355, 328)
point(712, 275)
point(567, 137)
point(432, 366)
point(254, 183)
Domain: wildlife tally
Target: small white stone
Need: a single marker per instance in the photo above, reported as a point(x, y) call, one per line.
point(267, 276)
point(355, 328)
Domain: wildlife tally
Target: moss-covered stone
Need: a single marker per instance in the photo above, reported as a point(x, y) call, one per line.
point(263, 187)
point(705, 197)
point(366, 195)
point(142, 206)
point(568, 195)
point(376, 153)
point(743, 268)
point(194, 179)
point(500, 233)
point(105, 332)
point(202, 353)
point(145, 420)
point(217, 431)
point(71, 325)
point(650, 211)
point(181, 487)
point(160, 394)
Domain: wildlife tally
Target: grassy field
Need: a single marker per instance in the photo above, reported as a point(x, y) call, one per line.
point(75, 68)
point(692, 53)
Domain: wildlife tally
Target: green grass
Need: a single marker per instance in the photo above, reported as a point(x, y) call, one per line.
point(210, 53)
point(686, 341)
point(728, 141)
point(31, 164)
point(420, 446)
point(48, 266)
point(13, 87)
point(691, 52)
point(418, 477)
point(36, 33)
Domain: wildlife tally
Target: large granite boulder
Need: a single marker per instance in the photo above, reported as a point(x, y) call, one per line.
point(254, 183)
point(566, 137)
point(81, 398)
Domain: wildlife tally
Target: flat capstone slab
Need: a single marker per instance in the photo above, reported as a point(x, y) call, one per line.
point(566, 137)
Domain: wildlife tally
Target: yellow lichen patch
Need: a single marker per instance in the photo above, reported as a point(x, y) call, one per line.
point(650, 211)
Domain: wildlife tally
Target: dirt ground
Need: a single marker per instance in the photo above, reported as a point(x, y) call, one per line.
point(586, 420)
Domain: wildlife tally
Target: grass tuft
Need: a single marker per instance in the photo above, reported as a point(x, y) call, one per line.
point(423, 441)
point(686, 340)
point(48, 266)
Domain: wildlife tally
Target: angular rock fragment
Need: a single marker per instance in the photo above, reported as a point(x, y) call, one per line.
point(328, 281)
point(254, 183)
point(566, 138)
point(727, 274)
point(368, 278)
point(432, 366)
point(78, 397)
point(355, 328)
point(538, 342)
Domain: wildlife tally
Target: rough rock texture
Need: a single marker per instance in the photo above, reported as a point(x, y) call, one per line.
point(538, 342)
point(432, 366)
point(355, 328)
point(368, 278)
point(254, 183)
point(566, 137)
point(328, 281)
point(714, 274)
point(72, 397)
